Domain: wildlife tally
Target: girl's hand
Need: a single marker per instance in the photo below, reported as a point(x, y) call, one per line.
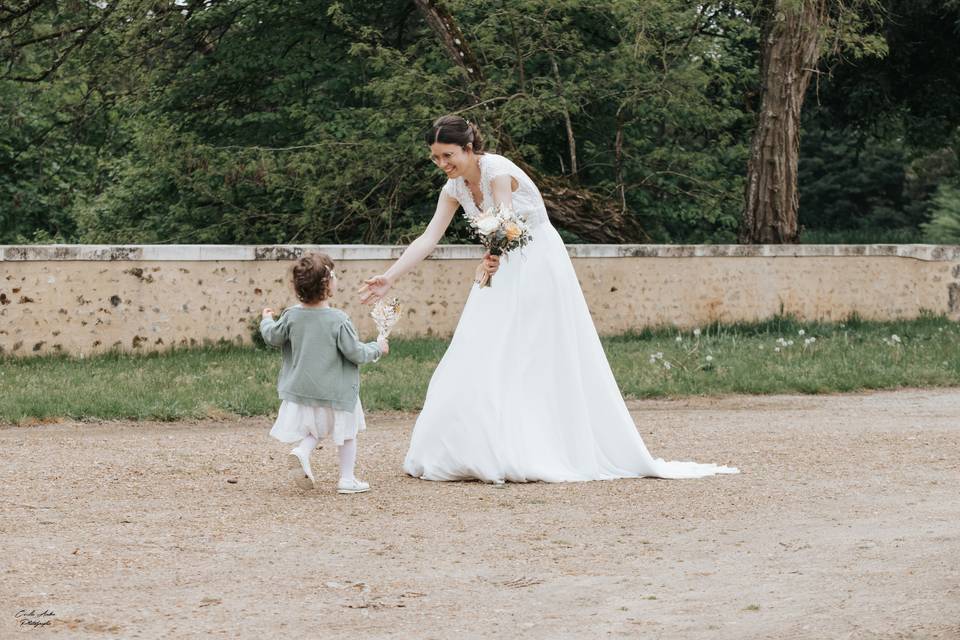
point(267, 313)
point(374, 289)
point(384, 346)
point(491, 263)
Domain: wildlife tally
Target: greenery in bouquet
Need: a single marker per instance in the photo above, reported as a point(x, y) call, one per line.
point(500, 230)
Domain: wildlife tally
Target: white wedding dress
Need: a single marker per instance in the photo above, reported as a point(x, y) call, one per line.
point(524, 391)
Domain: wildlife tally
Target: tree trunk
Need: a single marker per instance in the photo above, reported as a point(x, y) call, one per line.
point(590, 216)
point(791, 48)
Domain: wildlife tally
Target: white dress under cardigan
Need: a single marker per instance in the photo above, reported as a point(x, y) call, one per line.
point(296, 421)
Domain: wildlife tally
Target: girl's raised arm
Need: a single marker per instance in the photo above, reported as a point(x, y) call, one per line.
point(274, 332)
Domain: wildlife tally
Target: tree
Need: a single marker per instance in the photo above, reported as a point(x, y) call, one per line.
point(578, 210)
point(220, 121)
point(944, 226)
point(881, 135)
point(795, 33)
point(791, 42)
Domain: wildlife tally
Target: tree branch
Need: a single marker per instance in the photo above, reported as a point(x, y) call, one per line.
point(13, 14)
point(76, 44)
point(50, 36)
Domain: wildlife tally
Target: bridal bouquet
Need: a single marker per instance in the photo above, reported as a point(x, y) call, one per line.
point(385, 315)
point(500, 229)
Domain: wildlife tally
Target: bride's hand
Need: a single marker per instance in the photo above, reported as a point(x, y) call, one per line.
point(374, 288)
point(491, 263)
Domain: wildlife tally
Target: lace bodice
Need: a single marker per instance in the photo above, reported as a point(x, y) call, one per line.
point(527, 200)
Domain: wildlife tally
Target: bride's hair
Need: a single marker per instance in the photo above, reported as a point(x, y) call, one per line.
point(455, 130)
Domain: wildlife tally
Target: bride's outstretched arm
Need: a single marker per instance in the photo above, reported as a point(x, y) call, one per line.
point(376, 287)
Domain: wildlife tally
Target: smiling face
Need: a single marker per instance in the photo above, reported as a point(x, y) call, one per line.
point(452, 159)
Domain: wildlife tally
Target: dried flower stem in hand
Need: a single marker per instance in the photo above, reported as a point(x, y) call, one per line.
point(385, 314)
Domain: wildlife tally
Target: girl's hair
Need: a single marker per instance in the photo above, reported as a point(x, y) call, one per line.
point(455, 130)
point(311, 277)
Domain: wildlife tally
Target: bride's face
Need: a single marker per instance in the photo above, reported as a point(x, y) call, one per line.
point(452, 159)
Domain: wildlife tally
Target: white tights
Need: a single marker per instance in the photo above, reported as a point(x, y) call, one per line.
point(347, 454)
point(348, 457)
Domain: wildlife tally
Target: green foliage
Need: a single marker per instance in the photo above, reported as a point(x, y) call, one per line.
point(870, 235)
point(881, 134)
point(41, 169)
point(944, 227)
point(237, 122)
point(851, 180)
point(299, 122)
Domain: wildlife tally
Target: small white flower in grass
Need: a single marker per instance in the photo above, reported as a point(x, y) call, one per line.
point(761, 347)
point(709, 358)
point(789, 343)
point(895, 338)
point(801, 333)
point(659, 354)
point(679, 338)
point(666, 365)
point(696, 332)
point(777, 349)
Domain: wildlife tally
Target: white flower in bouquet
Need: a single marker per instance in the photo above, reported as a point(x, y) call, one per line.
point(488, 224)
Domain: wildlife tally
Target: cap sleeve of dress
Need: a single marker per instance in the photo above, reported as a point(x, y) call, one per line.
point(496, 165)
point(450, 190)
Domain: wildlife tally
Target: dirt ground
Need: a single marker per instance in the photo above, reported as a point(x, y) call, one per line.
point(845, 523)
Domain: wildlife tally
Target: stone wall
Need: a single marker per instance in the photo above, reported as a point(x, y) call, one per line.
point(82, 299)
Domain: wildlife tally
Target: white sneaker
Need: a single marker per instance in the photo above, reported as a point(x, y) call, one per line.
point(352, 486)
point(300, 471)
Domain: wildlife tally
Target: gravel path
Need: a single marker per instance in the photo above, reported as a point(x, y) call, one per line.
point(845, 523)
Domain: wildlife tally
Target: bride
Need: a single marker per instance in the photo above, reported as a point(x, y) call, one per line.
point(524, 391)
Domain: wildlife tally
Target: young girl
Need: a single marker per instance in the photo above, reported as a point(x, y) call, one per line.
point(319, 380)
